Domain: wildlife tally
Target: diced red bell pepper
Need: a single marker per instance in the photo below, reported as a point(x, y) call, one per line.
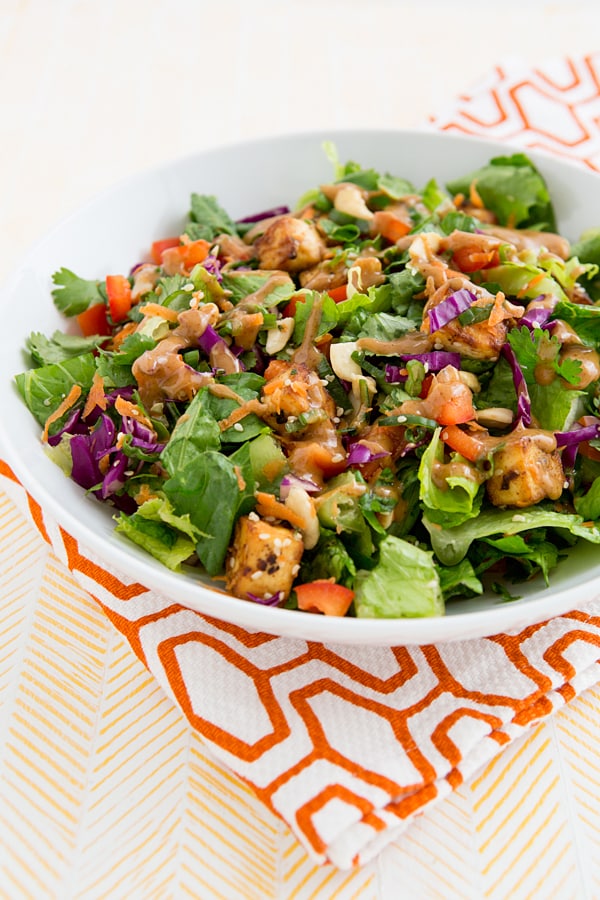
point(94, 321)
point(468, 445)
point(158, 248)
point(325, 597)
point(339, 293)
point(118, 291)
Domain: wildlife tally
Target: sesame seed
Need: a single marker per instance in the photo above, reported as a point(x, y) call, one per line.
point(253, 517)
point(238, 426)
point(295, 569)
point(267, 595)
point(330, 378)
point(264, 536)
point(231, 562)
point(339, 411)
point(518, 518)
point(337, 457)
point(47, 401)
point(256, 575)
point(324, 382)
point(292, 418)
point(336, 420)
point(285, 543)
point(188, 287)
point(277, 543)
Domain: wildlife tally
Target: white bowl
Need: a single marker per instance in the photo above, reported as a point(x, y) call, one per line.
point(114, 231)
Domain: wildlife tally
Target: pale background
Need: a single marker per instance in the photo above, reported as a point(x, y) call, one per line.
point(90, 93)
point(93, 90)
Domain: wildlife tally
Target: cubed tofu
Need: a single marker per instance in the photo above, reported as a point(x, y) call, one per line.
point(525, 472)
point(263, 559)
point(289, 244)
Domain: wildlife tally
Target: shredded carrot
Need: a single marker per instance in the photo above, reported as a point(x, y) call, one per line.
point(96, 397)
point(127, 408)
point(270, 387)
point(122, 334)
point(498, 313)
point(240, 478)
point(300, 388)
point(458, 200)
point(155, 309)
point(241, 412)
point(69, 401)
point(268, 505)
point(474, 196)
point(144, 493)
point(531, 284)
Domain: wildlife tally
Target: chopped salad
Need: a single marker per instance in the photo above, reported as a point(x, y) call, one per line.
point(382, 400)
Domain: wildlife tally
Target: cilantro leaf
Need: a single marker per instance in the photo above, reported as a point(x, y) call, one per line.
point(73, 295)
point(47, 350)
point(208, 219)
point(533, 347)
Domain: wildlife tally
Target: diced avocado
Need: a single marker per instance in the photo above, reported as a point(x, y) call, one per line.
point(267, 460)
point(338, 506)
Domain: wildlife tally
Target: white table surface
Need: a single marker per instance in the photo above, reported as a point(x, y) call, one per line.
point(92, 92)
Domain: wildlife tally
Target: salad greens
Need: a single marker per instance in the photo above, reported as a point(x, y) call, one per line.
point(383, 400)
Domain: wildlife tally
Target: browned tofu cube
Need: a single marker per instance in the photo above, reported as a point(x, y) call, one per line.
point(525, 472)
point(263, 559)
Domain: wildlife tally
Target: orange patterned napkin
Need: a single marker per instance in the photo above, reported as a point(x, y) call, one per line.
point(348, 744)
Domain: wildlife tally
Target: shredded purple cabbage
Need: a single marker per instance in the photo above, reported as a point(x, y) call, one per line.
point(450, 308)
point(213, 266)
point(360, 454)
point(266, 214)
point(88, 449)
point(583, 433)
point(523, 401)
point(537, 318)
point(266, 601)
point(114, 479)
point(395, 374)
point(289, 481)
point(73, 425)
point(209, 338)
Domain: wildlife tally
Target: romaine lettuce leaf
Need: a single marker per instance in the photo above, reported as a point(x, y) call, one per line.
point(584, 319)
point(460, 499)
point(403, 584)
point(450, 545)
point(460, 580)
point(512, 188)
point(157, 529)
point(588, 505)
